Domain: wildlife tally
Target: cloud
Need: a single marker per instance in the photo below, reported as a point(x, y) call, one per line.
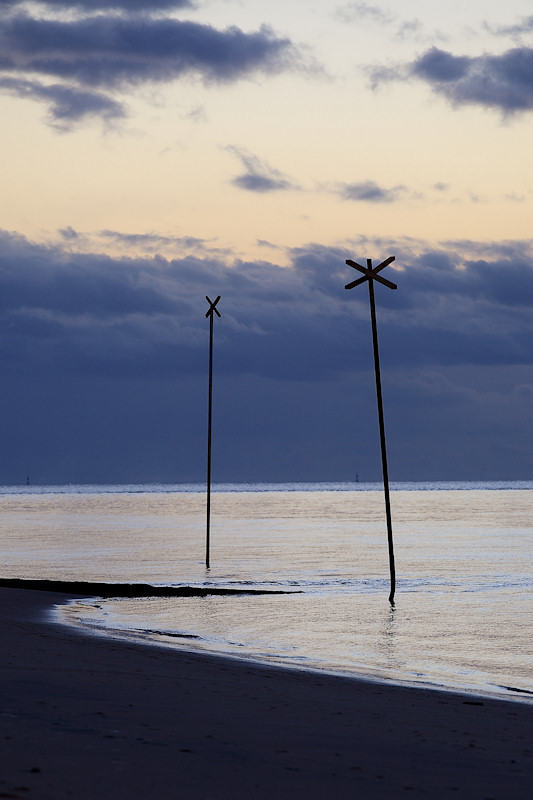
point(117, 52)
point(259, 176)
point(104, 363)
point(110, 52)
point(107, 5)
point(455, 305)
point(413, 29)
point(69, 234)
point(369, 192)
point(504, 81)
point(136, 244)
point(154, 242)
point(524, 26)
point(404, 29)
point(66, 106)
point(352, 12)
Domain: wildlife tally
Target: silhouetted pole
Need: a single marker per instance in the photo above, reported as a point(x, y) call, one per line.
point(370, 274)
point(209, 314)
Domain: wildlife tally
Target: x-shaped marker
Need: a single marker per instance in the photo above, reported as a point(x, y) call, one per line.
point(209, 312)
point(370, 273)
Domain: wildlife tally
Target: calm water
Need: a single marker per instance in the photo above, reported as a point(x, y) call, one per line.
point(463, 609)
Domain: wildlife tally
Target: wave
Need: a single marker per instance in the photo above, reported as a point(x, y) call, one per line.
point(197, 488)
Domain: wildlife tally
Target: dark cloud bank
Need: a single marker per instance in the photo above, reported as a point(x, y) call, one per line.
point(93, 57)
point(105, 365)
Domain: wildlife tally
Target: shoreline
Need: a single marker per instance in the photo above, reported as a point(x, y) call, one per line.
point(86, 716)
point(96, 590)
point(187, 642)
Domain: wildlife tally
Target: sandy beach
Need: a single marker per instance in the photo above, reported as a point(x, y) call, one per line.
point(87, 717)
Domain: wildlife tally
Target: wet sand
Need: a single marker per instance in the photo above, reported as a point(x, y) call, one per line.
point(91, 718)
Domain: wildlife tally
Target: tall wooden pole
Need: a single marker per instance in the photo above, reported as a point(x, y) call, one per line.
point(370, 274)
point(383, 444)
point(209, 428)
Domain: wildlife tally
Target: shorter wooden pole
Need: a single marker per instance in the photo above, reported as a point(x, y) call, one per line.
point(210, 313)
point(209, 439)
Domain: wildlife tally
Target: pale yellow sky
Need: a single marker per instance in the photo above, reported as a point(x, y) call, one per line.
point(167, 168)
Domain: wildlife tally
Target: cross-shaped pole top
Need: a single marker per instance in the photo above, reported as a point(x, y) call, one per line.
point(212, 304)
point(370, 273)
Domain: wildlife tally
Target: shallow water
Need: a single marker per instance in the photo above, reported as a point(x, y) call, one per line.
point(462, 617)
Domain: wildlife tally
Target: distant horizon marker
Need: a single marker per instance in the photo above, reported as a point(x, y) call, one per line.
point(370, 274)
point(212, 310)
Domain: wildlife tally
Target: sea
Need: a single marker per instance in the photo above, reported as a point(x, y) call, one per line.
point(462, 616)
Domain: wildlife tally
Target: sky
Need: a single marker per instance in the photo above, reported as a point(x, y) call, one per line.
point(155, 153)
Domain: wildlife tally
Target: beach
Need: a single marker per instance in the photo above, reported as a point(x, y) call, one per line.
point(91, 717)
